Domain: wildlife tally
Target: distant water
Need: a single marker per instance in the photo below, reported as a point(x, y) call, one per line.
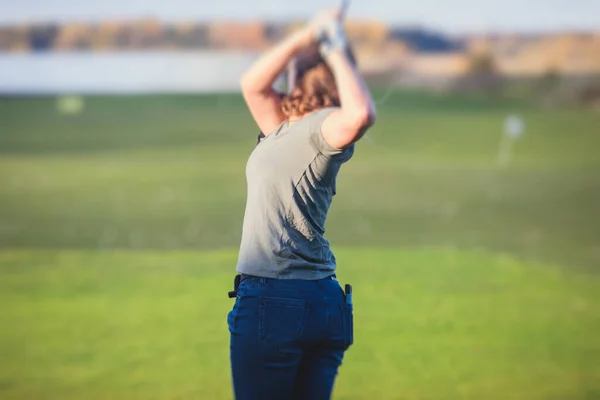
point(44, 73)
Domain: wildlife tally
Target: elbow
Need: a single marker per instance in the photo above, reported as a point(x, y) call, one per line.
point(248, 84)
point(250, 87)
point(364, 118)
point(371, 117)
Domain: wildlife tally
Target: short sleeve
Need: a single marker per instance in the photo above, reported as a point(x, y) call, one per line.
point(316, 133)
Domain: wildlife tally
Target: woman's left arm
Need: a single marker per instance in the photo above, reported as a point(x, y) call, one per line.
point(257, 83)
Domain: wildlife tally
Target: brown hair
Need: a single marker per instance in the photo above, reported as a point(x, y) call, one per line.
point(314, 85)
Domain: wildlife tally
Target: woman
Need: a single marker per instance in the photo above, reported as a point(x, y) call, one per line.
point(291, 322)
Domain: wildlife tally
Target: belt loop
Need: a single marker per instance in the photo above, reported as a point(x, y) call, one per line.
point(263, 281)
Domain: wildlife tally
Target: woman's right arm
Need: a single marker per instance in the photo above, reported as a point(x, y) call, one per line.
point(257, 82)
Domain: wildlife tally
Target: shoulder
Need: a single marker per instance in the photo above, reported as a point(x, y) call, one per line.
point(262, 135)
point(317, 117)
point(314, 126)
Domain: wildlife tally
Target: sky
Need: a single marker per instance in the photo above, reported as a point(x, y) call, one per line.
point(450, 16)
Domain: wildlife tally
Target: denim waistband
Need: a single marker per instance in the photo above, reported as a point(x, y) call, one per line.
point(250, 282)
point(244, 277)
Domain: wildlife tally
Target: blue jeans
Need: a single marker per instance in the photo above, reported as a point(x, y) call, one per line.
point(288, 338)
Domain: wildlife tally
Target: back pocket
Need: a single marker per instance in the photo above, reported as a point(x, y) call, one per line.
point(281, 320)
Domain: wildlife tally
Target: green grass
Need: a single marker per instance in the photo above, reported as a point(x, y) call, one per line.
point(431, 324)
point(168, 173)
point(118, 230)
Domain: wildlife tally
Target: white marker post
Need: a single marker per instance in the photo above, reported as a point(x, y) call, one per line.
point(514, 128)
point(70, 105)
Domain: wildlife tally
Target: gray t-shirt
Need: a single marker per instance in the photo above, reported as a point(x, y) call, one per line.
point(291, 177)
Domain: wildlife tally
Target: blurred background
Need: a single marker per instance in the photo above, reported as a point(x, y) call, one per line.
point(468, 220)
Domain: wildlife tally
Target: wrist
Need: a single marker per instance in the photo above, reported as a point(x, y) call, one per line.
point(332, 38)
point(303, 37)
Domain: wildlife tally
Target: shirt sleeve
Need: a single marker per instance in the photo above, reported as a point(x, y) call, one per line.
point(316, 133)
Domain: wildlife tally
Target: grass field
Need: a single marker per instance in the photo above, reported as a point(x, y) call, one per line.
point(119, 228)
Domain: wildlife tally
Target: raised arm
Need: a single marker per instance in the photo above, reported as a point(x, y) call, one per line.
point(357, 109)
point(257, 83)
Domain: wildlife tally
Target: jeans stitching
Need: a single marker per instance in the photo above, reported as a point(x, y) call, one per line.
point(261, 321)
point(304, 316)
